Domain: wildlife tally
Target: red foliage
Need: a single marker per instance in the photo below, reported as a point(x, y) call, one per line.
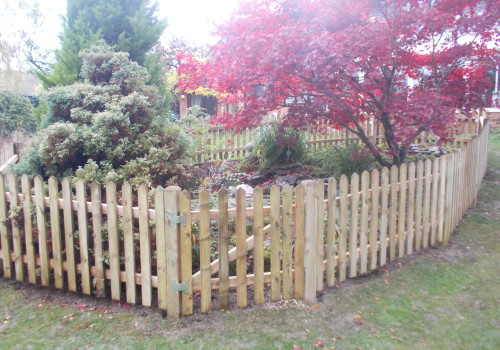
point(340, 60)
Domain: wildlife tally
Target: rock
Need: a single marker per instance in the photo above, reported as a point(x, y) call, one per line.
point(283, 169)
point(255, 180)
point(292, 179)
point(248, 190)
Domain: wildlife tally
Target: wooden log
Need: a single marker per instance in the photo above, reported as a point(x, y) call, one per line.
point(128, 243)
point(28, 229)
point(69, 233)
point(222, 223)
point(55, 227)
point(145, 245)
point(96, 197)
point(114, 241)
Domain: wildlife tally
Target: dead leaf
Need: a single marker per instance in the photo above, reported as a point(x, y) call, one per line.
point(307, 330)
point(136, 324)
point(376, 298)
point(357, 316)
point(318, 342)
point(297, 347)
point(359, 322)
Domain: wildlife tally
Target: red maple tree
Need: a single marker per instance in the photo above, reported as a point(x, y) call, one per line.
point(409, 63)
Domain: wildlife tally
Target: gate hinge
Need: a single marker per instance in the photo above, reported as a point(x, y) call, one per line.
point(181, 287)
point(173, 219)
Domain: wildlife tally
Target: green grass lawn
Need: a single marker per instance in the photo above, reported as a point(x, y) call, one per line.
point(441, 298)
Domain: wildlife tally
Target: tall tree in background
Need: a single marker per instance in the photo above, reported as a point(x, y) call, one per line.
point(128, 25)
point(338, 61)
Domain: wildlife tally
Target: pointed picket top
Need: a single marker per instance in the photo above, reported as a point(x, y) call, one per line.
point(95, 183)
point(385, 170)
point(186, 194)
point(376, 171)
point(287, 189)
point(223, 192)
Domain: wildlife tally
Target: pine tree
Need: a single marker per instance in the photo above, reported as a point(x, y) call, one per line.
point(128, 25)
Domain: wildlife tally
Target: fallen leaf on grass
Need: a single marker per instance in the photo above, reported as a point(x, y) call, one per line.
point(357, 316)
point(297, 347)
point(359, 322)
point(376, 298)
point(396, 338)
point(307, 330)
point(315, 306)
point(318, 342)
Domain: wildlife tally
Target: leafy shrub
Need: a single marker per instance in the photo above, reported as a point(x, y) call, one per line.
point(277, 144)
point(107, 128)
point(15, 113)
point(340, 159)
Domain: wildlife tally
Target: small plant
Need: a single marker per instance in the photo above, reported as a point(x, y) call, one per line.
point(277, 144)
point(341, 159)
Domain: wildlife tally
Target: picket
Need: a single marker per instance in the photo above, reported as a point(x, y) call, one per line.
point(83, 235)
point(69, 232)
point(427, 203)
point(353, 233)
point(55, 229)
point(363, 233)
point(275, 233)
point(287, 263)
point(42, 230)
point(4, 232)
point(161, 258)
point(241, 249)
point(418, 204)
point(374, 218)
point(186, 253)
point(258, 251)
point(96, 197)
point(206, 286)
point(403, 178)
point(393, 212)
point(145, 246)
point(299, 241)
point(128, 242)
point(331, 232)
point(114, 241)
point(410, 209)
point(172, 234)
point(344, 190)
point(383, 216)
point(223, 203)
point(28, 234)
point(17, 241)
point(320, 217)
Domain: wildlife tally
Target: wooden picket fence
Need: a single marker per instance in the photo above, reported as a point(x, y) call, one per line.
point(10, 150)
point(138, 247)
point(228, 144)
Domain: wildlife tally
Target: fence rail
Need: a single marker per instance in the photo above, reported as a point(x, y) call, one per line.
point(154, 249)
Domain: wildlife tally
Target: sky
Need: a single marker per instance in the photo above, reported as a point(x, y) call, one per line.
point(192, 20)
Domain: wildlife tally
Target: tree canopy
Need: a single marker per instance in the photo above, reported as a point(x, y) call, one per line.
point(409, 63)
point(128, 25)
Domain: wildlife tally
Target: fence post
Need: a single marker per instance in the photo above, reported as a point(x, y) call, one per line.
point(310, 241)
point(172, 234)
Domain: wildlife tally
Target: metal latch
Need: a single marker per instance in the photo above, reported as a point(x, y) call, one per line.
point(173, 219)
point(181, 287)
